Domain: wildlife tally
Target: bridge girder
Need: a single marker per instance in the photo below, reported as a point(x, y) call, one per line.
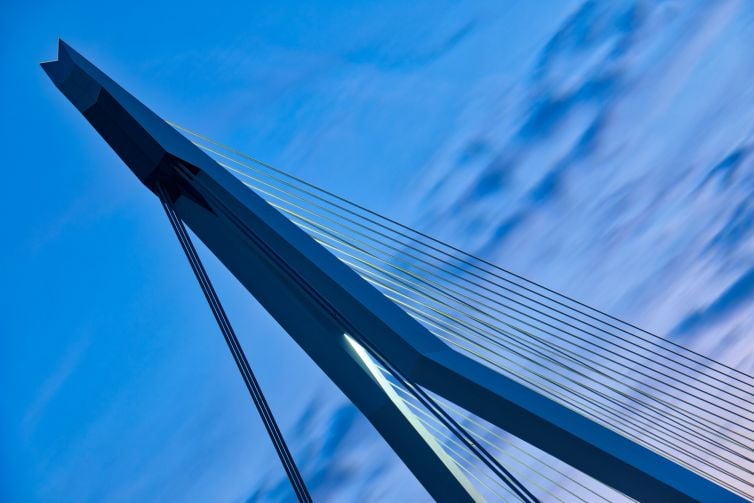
point(318, 300)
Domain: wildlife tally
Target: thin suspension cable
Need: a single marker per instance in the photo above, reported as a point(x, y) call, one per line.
point(457, 299)
point(430, 420)
point(451, 424)
point(642, 429)
point(407, 399)
point(424, 412)
point(220, 206)
point(697, 458)
point(476, 319)
point(437, 242)
point(445, 292)
point(239, 356)
point(508, 335)
point(393, 299)
point(391, 260)
point(630, 430)
point(450, 443)
point(494, 431)
point(467, 465)
point(401, 282)
point(410, 245)
point(268, 193)
point(486, 288)
point(451, 324)
point(622, 347)
point(687, 426)
point(617, 413)
point(288, 210)
point(234, 346)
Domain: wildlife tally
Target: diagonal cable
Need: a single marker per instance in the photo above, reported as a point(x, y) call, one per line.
point(255, 390)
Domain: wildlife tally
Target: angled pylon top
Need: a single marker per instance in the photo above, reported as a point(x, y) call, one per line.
point(144, 141)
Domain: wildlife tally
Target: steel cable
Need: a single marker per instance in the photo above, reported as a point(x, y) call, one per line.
point(255, 390)
point(472, 306)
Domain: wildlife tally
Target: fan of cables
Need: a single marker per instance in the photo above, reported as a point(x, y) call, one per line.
point(674, 401)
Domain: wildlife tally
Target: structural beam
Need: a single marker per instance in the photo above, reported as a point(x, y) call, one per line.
point(158, 155)
point(317, 299)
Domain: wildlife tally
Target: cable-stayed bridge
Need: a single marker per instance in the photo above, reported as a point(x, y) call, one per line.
point(486, 385)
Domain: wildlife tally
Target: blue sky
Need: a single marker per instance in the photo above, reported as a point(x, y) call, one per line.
point(116, 384)
point(633, 193)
